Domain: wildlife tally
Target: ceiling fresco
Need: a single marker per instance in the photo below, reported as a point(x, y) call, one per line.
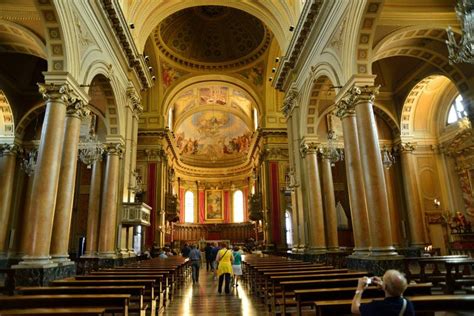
point(213, 135)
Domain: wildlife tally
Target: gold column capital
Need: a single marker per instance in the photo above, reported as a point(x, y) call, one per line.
point(52, 91)
point(407, 147)
point(114, 149)
point(76, 108)
point(309, 148)
point(9, 149)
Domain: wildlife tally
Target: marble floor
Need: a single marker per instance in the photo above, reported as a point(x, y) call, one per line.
point(203, 299)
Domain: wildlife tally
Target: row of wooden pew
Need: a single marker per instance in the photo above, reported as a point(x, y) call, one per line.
point(139, 289)
point(287, 285)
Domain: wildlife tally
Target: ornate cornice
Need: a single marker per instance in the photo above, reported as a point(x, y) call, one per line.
point(77, 109)
point(123, 36)
point(298, 41)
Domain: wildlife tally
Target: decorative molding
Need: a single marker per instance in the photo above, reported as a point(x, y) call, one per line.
point(303, 29)
point(77, 109)
point(120, 27)
point(134, 99)
point(54, 92)
point(114, 149)
point(309, 148)
point(289, 101)
point(406, 147)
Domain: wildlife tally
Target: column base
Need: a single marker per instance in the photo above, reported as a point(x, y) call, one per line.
point(107, 255)
point(87, 264)
point(109, 262)
point(375, 264)
point(28, 275)
point(383, 251)
point(360, 252)
point(35, 262)
point(318, 255)
point(60, 258)
point(411, 251)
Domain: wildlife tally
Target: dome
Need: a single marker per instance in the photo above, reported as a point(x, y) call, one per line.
point(212, 37)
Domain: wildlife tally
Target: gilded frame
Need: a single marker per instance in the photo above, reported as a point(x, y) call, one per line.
point(214, 206)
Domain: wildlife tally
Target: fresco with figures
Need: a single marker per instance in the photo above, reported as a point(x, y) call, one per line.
point(213, 134)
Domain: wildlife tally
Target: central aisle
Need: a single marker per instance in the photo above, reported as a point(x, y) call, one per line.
point(203, 299)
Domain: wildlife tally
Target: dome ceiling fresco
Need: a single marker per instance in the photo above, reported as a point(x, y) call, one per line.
point(213, 125)
point(195, 37)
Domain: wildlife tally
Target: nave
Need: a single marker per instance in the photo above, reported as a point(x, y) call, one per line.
point(203, 299)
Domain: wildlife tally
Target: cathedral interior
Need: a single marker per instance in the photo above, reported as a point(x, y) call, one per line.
point(311, 128)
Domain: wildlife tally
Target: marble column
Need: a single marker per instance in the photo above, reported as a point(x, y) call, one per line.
point(412, 197)
point(39, 225)
point(374, 181)
point(329, 202)
point(317, 237)
point(355, 182)
point(67, 182)
point(7, 172)
point(394, 207)
point(92, 234)
point(108, 213)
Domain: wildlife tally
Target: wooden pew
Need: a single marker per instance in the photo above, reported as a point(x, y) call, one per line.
point(423, 303)
point(275, 280)
point(111, 302)
point(456, 277)
point(287, 286)
point(311, 295)
point(149, 285)
point(408, 261)
point(136, 293)
point(75, 311)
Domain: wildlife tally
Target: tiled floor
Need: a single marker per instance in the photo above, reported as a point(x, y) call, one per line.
point(203, 299)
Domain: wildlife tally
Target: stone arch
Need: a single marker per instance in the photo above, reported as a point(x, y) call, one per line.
point(227, 79)
point(55, 48)
point(365, 36)
point(25, 121)
point(320, 83)
point(15, 38)
point(104, 101)
point(396, 44)
point(7, 122)
point(414, 101)
point(269, 12)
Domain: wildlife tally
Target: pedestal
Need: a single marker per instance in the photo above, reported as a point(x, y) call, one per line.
point(41, 276)
point(376, 265)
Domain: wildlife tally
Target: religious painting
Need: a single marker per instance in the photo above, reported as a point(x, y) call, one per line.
point(254, 74)
point(214, 205)
point(213, 135)
point(169, 75)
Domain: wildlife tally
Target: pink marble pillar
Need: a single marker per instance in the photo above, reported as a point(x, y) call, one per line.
point(108, 214)
point(329, 202)
point(67, 182)
point(39, 225)
point(317, 237)
point(7, 172)
point(93, 211)
point(374, 181)
point(414, 210)
point(355, 182)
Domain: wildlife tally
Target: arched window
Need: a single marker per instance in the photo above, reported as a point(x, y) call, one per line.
point(170, 119)
point(189, 207)
point(289, 229)
point(255, 118)
point(238, 206)
point(457, 111)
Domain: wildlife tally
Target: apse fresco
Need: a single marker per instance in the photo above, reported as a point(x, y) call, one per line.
point(213, 135)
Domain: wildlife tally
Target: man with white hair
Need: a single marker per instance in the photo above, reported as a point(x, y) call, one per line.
point(393, 283)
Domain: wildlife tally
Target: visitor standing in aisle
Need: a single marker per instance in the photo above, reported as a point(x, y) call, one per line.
point(224, 269)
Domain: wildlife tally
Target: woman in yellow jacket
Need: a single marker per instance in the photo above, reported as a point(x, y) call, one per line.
point(224, 270)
